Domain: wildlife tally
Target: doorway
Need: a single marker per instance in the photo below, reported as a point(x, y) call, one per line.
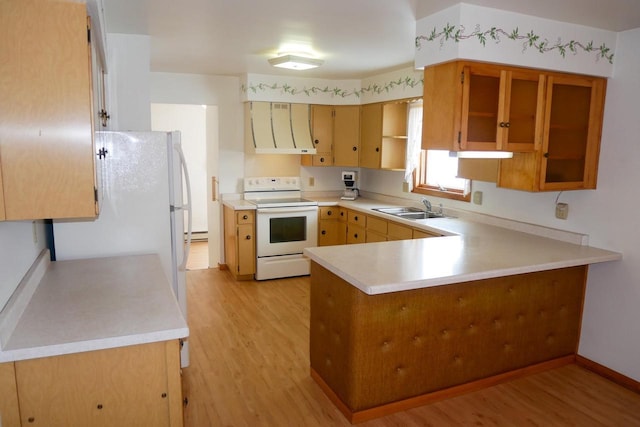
point(198, 125)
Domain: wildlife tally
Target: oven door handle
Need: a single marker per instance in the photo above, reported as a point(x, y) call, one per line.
point(291, 209)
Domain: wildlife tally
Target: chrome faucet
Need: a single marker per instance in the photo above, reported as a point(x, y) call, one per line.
point(427, 204)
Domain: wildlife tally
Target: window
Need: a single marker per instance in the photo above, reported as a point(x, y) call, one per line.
point(434, 171)
point(436, 175)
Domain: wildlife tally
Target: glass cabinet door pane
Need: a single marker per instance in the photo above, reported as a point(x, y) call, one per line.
point(484, 92)
point(568, 133)
point(522, 111)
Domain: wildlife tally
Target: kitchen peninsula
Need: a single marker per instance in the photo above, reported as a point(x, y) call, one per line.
point(397, 324)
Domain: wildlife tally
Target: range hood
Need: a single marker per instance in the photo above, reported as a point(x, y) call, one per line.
point(278, 128)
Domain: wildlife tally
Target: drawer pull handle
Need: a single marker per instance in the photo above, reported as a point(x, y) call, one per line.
point(245, 216)
point(248, 237)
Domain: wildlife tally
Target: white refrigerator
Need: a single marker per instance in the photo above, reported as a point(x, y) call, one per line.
point(143, 183)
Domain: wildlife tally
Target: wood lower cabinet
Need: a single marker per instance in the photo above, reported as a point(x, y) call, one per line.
point(399, 232)
point(363, 228)
point(138, 385)
point(47, 151)
point(240, 242)
point(376, 229)
point(9, 410)
point(421, 234)
point(332, 229)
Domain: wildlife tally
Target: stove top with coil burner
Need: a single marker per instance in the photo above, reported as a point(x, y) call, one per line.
point(271, 192)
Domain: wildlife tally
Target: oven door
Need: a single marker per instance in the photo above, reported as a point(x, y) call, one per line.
point(286, 231)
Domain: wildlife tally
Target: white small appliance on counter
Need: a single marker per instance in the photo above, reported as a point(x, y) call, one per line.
point(350, 191)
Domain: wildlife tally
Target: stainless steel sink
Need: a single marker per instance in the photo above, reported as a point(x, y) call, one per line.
point(409, 212)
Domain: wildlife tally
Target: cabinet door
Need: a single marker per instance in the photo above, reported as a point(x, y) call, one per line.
point(399, 232)
point(246, 249)
point(230, 239)
point(355, 234)
point(501, 108)
point(331, 232)
point(322, 130)
point(573, 125)
point(371, 132)
point(480, 108)
point(522, 112)
point(46, 142)
point(125, 386)
point(346, 135)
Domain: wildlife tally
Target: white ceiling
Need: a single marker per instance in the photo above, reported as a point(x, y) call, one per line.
point(355, 38)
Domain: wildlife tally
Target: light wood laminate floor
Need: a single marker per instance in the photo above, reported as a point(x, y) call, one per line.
point(250, 367)
point(198, 255)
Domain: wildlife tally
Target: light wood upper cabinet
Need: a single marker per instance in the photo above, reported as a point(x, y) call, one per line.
point(482, 107)
point(568, 158)
point(46, 141)
point(322, 134)
point(346, 135)
point(384, 135)
point(370, 136)
point(336, 136)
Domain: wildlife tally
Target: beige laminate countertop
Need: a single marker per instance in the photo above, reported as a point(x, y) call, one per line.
point(468, 251)
point(94, 304)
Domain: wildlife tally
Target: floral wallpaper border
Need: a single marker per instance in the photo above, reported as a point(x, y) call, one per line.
point(284, 88)
point(459, 33)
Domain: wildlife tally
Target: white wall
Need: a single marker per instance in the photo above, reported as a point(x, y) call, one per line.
point(128, 82)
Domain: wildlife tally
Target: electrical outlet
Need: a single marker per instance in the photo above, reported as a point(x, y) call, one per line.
point(405, 187)
point(562, 210)
point(477, 197)
point(312, 181)
point(35, 231)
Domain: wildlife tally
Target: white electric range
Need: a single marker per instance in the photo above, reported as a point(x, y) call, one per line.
point(286, 223)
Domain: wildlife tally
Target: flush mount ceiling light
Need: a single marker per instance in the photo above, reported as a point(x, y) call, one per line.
point(484, 154)
point(293, 62)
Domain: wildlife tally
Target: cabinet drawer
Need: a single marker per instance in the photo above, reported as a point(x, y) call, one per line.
point(377, 225)
point(330, 212)
point(399, 232)
point(357, 218)
point(373, 237)
point(421, 234)
point(245, 217)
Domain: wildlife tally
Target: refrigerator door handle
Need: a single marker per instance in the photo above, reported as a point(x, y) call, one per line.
point(186, 207)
